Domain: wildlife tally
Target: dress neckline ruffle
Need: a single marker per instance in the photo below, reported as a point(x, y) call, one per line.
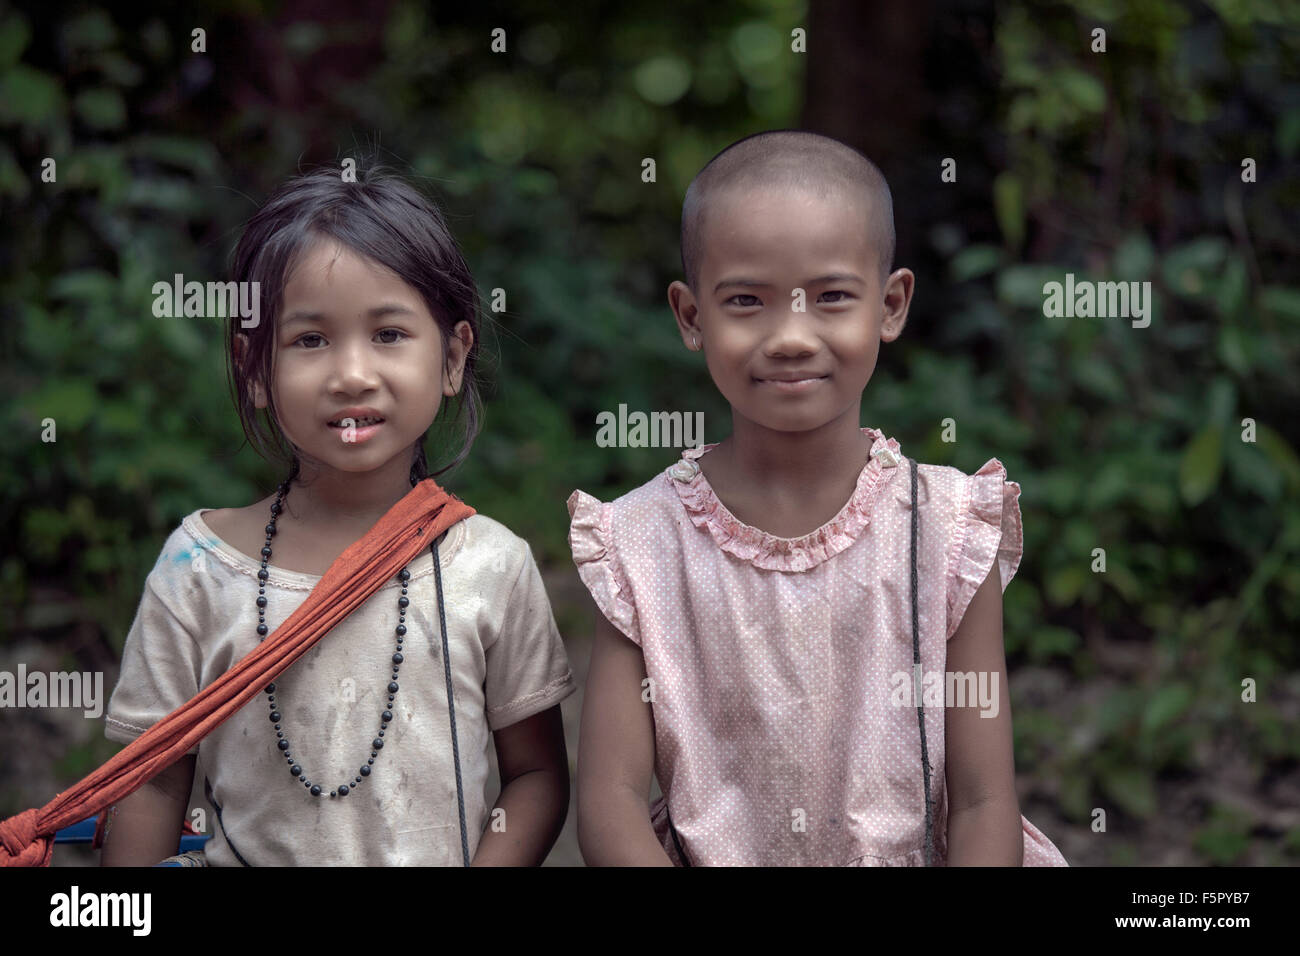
point(768, 551)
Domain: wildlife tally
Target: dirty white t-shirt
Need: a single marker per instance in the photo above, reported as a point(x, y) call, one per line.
point(198, 617)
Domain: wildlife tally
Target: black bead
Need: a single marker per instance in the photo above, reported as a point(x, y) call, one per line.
point(365, 771)
point(275, 508)
point(296, 770)
point(270, 529)
point(343, 790)
point(404, 575)
point(315, 790)
point(401, 629)
point(262, 629)
point(358, 780)
point(262, 574)
point(283, 745)
point(398, 658)
point(386, 716)
point(261, 601)
point(377, 743)
point(403, 602)
point(266, 552)
point(270, 688)
point(275, 716)
point(392, 687)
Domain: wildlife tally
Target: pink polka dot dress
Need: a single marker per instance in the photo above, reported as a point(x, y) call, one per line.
point(775, 663)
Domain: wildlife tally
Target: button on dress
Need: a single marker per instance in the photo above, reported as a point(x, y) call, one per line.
point(781, 668)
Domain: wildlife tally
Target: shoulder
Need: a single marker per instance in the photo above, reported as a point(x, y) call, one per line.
point(951, 490)
point(652, 501)
point(242, 528)
point(489, 547)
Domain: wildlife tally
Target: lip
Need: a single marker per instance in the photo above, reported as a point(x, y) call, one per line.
point(792, 385)
point(355, 435)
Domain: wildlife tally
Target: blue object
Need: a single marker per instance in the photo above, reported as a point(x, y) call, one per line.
point(84, 832)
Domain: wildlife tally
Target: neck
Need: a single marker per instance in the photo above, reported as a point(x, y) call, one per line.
point(328, 497)
point(803, 459)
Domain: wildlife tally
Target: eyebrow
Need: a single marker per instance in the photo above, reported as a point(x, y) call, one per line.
point(379, 311)
point(755, 283)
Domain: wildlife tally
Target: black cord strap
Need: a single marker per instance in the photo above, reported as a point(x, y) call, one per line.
point(451, 704)
point(916, 663)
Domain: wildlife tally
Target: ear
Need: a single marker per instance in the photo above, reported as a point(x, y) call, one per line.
point(255, 389)
point(687, 313)
point(897, 296)
point(458, 345)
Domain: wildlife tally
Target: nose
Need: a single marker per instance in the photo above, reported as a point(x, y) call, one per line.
point(792, 336)
point(355, 367)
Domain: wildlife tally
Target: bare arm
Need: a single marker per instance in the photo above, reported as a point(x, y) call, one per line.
point(147, 825)
point(534, 796)
point(984, 814)
point(616, 757)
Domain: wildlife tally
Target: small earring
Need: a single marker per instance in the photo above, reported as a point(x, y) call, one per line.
point(695, 342)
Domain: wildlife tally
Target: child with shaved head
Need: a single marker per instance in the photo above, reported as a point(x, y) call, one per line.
point(801, 627)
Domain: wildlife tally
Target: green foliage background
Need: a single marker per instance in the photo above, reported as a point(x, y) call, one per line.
point(1122, 165)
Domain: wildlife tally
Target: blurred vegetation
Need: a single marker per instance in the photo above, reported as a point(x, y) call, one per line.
point(1117, 165)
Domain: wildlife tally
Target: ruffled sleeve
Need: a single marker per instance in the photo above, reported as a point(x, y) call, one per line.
point(591, 539)
point(988, 529)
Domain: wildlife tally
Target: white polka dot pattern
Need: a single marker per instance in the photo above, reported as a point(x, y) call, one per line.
point(776, 739)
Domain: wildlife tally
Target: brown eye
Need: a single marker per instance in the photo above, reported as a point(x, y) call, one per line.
point(843, 296)
point(745, 305)
point(395, 332)
point(309, 335)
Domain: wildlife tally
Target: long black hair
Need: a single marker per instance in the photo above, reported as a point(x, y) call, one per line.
point(379, 216)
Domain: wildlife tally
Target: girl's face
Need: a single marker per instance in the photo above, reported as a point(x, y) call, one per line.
point(353, 340)
point(785, 362)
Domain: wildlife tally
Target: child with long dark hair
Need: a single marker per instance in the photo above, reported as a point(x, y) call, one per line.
point(372, 748)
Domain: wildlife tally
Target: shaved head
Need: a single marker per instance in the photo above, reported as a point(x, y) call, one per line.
point(788, 160)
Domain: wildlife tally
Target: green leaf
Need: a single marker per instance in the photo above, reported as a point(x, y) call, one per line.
point(1233, 343)
point(1280, 453)
point(1202, 464)
point(1134, 258)
point(90, 285)
point(1188, 268)
point(1047, 641)
point(1283, 302)
point(1009, 204)
point(663, 79)
point(1064, 585)
point(92, 30)
point(1083, 90)
point(1022, 285)
point(1132, 789)
point(1169, 703)
point(1288, 133)
point(101, 108)
point(973, 262)
point(1251, 468)
point(29, 96)
point(15, 34)
point(70, 402)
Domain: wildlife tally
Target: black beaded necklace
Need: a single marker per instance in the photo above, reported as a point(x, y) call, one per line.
point(377, 744)
point(403, 602)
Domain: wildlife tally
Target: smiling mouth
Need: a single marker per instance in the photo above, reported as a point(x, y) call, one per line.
point(357, 422)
